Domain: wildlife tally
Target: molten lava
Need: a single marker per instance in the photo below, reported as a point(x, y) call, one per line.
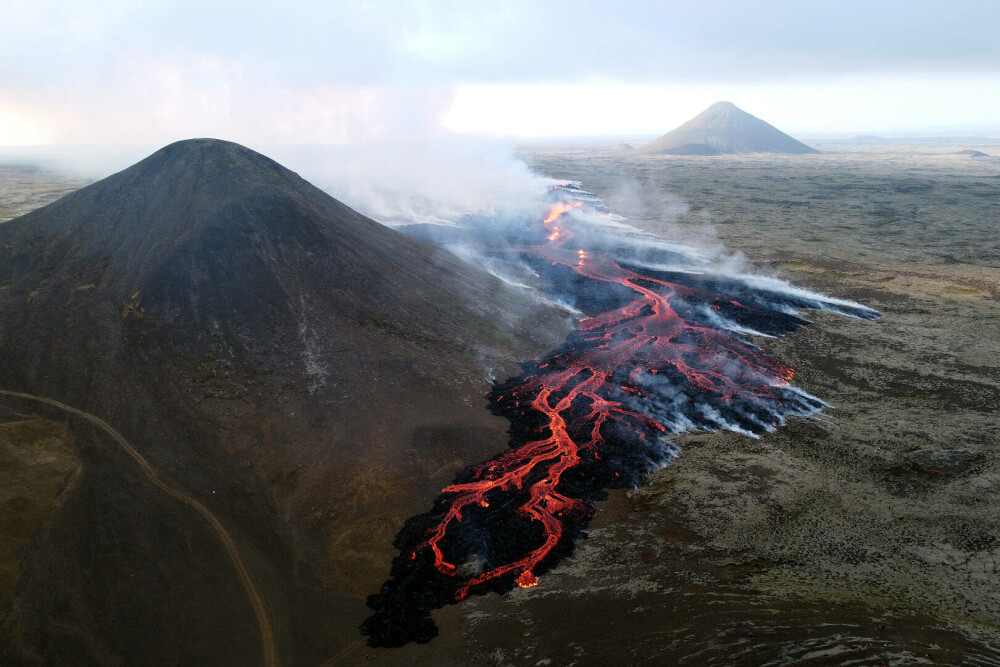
point(646, 336)
point(665, 358)
point(558, 209)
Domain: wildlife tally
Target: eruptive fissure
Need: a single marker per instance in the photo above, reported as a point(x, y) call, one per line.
point(662, 350)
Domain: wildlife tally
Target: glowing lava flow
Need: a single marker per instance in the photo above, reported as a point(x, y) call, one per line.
point(663, 358)
point(558, 209)
point(646, 336)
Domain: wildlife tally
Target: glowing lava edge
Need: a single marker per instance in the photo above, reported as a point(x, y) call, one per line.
point(669, 357)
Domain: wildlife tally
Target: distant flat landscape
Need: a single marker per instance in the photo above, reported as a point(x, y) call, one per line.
point(24, 188)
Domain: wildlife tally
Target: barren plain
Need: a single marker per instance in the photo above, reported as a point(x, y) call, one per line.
point(869, 535)
point(25, 187)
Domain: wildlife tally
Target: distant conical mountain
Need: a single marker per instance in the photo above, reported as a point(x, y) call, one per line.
point(724, 128)
point(300, 370)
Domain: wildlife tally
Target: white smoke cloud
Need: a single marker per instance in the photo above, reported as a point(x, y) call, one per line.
point(434, 180)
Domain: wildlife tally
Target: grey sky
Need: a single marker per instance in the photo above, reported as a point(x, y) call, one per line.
point(79, 71)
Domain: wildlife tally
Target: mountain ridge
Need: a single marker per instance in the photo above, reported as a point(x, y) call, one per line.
point(272, 353)
point(722, 129)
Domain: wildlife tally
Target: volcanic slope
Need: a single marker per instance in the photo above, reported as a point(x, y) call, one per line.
point(304, 374)
point(724, 128)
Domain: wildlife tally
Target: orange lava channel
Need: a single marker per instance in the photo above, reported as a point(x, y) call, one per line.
point(646, 329)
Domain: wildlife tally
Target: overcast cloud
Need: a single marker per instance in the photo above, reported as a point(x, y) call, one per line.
point(339, 72)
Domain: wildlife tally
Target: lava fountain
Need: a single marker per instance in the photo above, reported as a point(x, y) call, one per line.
point(663, 350)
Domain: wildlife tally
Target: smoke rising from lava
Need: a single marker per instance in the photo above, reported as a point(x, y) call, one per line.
point(662, 349)
point(409, 180)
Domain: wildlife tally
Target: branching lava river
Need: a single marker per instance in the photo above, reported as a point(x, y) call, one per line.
point(662, 348)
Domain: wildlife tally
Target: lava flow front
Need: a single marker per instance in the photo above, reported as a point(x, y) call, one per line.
point(662, 351)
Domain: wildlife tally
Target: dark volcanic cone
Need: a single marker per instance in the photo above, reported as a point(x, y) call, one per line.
point(724, 128)
point(296, 367)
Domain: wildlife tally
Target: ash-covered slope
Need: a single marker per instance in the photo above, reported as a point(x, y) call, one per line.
point(289, 363)
point(209, 238)
point(724, 128)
